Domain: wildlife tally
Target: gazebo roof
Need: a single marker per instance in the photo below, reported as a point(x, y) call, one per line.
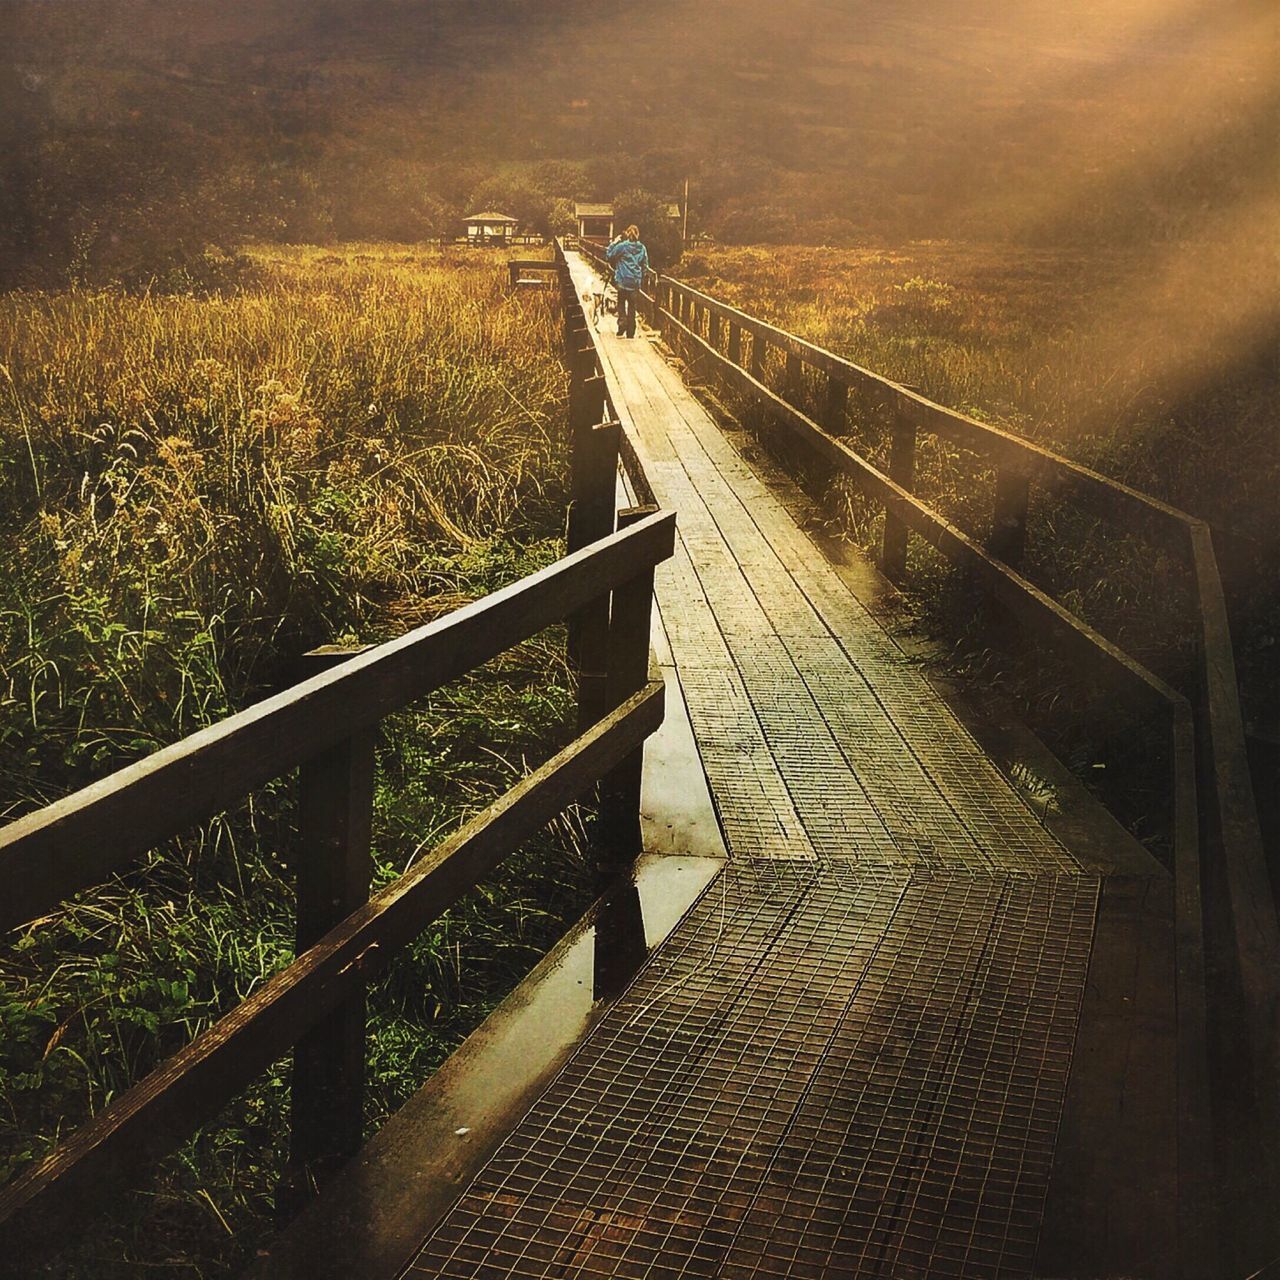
point(490, 216)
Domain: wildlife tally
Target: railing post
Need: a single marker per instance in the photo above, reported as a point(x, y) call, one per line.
point(619, 925)
point(735, 343)
point(586, 387)
point(713, 335)
point(1008, 540)
point(593, 482)
point(595, 477)
point(757, 356)
point(629, 626)
point(902, 466)
point(574, 320)
point(835, 410)
point(792, 386)
point(335, 814)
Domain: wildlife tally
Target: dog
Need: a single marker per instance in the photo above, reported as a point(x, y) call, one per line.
point(597, 301)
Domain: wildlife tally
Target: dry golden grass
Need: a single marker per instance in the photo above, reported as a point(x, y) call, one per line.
point(195, 491)
point(218, 482)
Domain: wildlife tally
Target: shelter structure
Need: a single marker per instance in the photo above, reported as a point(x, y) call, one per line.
point(490, 228)
point(597, 221)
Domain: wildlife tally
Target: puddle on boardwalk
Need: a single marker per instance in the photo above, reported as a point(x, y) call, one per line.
point(552, 1010)
point(635, 915)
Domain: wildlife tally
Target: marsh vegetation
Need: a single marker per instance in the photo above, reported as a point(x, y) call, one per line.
point(1145, 377)
point(195, 491)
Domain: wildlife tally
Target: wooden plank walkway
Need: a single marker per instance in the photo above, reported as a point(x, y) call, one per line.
point(906, 1032)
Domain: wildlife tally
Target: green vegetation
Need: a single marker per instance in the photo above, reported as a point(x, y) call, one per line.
point(195, 492)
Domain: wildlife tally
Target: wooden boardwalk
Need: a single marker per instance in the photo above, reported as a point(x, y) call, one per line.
point(907, 1031)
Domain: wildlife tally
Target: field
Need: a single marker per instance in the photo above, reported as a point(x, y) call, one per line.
point(195, 491)
point(1145, 375)
point(1128, 366)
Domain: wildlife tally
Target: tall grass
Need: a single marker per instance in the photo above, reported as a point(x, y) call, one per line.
point(1045, 344)
point(1095, 355)
point(195, 490)
point(1152, 385)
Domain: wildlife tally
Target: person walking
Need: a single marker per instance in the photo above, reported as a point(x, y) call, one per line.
point(630, 260)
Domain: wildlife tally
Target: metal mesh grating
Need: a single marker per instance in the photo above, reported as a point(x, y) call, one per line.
point(851, 1057)
point(827, 1070)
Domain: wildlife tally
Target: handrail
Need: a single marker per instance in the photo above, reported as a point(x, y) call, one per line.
point(1214, 813)
point(1099, 493)
point(192, 1086)
point(323, 726)
point(50, 854)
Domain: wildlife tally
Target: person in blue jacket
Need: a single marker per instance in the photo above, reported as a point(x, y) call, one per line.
point(630, 261)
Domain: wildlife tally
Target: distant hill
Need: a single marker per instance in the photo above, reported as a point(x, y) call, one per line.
point(141, 132)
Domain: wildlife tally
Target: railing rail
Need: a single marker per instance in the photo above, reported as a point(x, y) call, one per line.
point(324, 727)
point(1214, 813)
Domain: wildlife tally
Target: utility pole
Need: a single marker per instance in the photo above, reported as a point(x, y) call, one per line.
point(684, 233)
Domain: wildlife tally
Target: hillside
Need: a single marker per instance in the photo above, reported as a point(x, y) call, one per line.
point(810, 122)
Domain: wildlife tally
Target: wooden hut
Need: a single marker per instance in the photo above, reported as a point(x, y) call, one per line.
point(596, 222)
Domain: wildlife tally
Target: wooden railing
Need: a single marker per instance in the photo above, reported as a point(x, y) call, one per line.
point(324, 728)
point(1214, 820)
point(530, 271)
point(600, 442)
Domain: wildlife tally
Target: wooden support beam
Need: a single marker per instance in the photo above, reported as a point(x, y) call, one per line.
point(1008, 540)
point(794, 385)
point(902, 466)
point(593, 490)
point(713, 335)
point(586, 395)
point(735, 343)
point(629, 624)
point(757, 356)
point(334, 873)
point(836, 406)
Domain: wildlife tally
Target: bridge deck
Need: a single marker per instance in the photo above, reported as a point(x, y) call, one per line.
point(906, 1032)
